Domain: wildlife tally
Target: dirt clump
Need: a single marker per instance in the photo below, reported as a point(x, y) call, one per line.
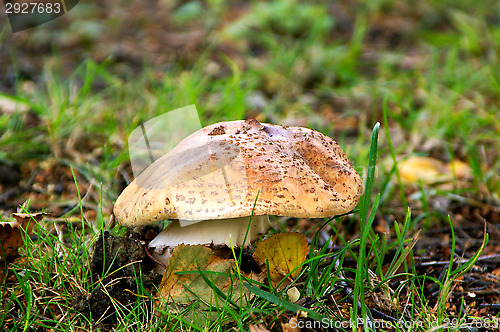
point(118, 265)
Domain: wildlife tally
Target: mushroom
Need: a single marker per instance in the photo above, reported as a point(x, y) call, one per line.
point(220, 184)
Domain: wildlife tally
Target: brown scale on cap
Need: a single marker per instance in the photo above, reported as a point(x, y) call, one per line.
point(217, 172)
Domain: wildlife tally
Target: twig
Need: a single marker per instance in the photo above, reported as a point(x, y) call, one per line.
point(145, 246)
point(378, 314)
point(8, 193)
point(490, 306)
point(461, 261)
point(479, 291)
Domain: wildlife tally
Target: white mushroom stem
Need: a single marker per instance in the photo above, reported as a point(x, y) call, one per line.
point(230, 232)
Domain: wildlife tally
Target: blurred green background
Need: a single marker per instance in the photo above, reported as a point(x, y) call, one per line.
point(73, 89)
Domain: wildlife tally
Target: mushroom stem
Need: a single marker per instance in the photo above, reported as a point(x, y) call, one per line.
point(230, 232)
point(224, 231)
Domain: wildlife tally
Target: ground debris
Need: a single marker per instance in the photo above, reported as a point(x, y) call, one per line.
point(11, 237)
point(117, 265)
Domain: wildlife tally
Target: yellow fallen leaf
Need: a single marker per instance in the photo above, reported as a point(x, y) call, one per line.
point(425, 169)
point(186, 288)
point(285, 252)
point(428, 170)
point(459, 169)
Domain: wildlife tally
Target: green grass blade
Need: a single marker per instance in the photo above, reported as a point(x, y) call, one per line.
point(397, 256)
point(365, 229)
point(370, 174)
point(280, 302)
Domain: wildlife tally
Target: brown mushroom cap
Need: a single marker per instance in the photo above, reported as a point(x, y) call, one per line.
point(218, 171)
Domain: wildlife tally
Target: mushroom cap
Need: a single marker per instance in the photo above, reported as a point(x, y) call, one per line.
point(233, 169)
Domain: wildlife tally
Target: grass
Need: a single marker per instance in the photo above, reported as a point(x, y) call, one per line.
point(428, 72)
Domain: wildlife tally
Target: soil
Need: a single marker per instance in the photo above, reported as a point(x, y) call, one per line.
point(117, 264)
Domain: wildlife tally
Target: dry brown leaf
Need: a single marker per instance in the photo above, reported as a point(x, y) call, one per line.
point(11, 236)
point(285, 253)
point(11, 233)
point(291, 326)
point(257, 328)
point(10, 240)
point(29, 219)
